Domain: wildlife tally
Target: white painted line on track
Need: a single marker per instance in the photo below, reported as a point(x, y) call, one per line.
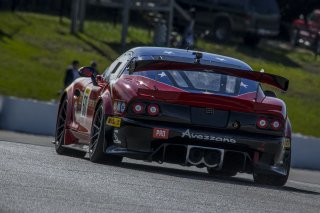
point(304, 184)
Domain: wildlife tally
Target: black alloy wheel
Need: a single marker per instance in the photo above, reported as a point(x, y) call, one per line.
point(60, 133)
point(96, 153)
point(274, 180)
point(60, 128)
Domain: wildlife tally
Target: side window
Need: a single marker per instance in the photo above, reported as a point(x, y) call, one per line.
point(108, 71)
point(125, 71)
point(116, 67)
point(123, 61)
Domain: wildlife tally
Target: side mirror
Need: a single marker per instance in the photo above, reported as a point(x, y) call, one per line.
point(270, 93)
point(89, 72)
point(100, 79)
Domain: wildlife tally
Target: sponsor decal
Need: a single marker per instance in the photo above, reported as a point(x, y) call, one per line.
point(119, 106)
point(206, 137)
point(115, 137)
point(112, 121)
point(160, 133)
point(85, 102)
point(287, 143)
point(162, 74)
point(243, 85)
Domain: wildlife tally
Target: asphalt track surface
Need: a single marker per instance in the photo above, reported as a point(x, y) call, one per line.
point(33, 178)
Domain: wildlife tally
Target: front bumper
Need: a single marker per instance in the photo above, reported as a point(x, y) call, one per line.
point(139, 139)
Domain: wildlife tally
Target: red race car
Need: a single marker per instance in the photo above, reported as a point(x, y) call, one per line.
point(182, 107)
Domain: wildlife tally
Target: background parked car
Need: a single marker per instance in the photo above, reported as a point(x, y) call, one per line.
point(306, 31)
point(248, 18)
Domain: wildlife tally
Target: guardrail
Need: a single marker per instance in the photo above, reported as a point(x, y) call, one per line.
point(28, 116)
point(38, 117)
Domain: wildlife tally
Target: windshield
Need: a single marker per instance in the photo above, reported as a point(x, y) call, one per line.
point(202, 81)
point(265, 6)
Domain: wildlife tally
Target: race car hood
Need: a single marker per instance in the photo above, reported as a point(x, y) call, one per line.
point(270, 79)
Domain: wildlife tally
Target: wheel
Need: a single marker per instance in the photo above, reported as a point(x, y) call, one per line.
point(274, 180)
point(223, 173)
point(96, 153)
point(60, 128)
point(251, 40)
point(222, 30)
point(60, 132)
point(294, 37)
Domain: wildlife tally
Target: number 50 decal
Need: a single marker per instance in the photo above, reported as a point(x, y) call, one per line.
point(85, 101)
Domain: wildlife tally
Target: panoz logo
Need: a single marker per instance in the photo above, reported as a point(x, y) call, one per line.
point(190, 135)
point(160, 133)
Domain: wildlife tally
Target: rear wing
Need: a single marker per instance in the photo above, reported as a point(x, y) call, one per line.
point(160, 64)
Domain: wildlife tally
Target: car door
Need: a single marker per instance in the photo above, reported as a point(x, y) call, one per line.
point(88, 98)
point(80, 102)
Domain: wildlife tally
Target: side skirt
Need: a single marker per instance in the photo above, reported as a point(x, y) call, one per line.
point(114, 150)
point(79, 147)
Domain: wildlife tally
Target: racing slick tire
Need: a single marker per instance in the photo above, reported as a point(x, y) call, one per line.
point(60, 132)
point(222, 173)
point(273, 180)
point(97, 138)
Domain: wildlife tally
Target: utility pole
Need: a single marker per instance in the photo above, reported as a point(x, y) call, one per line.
point(170, 21)
point(61, 11)
point(74, 16)
point(83, 4)
point(125, 22)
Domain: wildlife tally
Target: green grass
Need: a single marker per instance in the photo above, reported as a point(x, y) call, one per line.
point(35, 50)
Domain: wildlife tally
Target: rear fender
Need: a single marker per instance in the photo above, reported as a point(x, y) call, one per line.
point(107, 103)
point(288, 130)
